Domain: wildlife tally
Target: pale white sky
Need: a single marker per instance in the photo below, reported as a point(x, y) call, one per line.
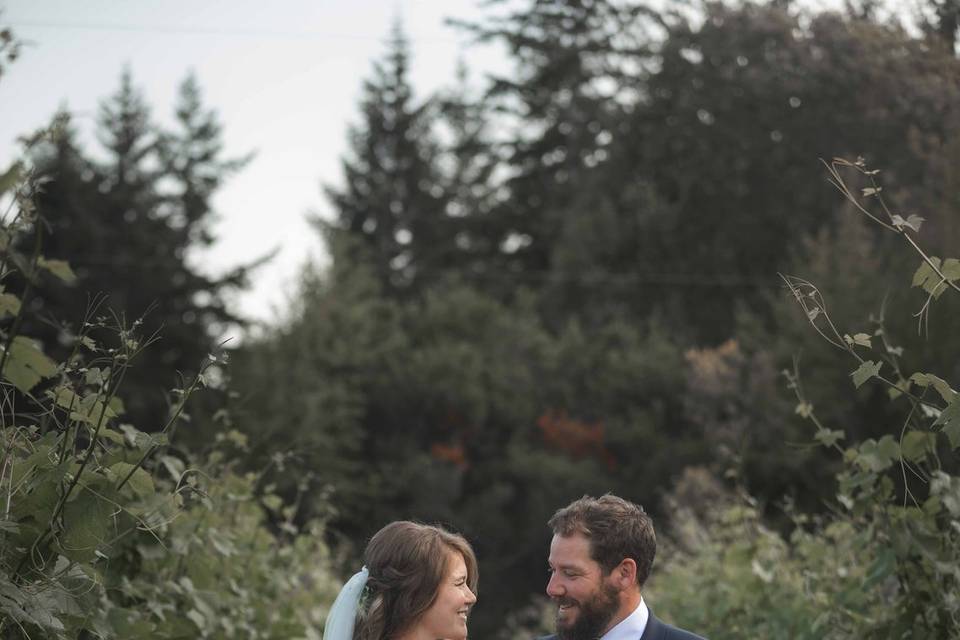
point(284, 76)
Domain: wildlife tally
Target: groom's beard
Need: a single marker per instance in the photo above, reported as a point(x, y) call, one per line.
point(593, 616)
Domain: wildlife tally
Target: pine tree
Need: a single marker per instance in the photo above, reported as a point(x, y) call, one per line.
point(127, 225)
point(393, 195)
point(575, 64)
point(468, 161)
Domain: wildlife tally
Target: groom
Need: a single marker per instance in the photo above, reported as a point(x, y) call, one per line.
point(600, 558)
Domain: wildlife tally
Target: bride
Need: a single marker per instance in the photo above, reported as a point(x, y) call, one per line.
point(418, 583)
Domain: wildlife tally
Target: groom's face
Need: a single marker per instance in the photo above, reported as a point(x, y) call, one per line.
point(586, 600)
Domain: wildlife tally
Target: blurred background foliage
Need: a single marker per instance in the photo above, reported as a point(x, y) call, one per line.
point(568, 284)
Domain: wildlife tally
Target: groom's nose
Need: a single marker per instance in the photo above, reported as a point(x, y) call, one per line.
point(554, 589)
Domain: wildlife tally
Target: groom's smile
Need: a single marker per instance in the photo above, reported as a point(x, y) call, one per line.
point(566, 608)
point(585, 603)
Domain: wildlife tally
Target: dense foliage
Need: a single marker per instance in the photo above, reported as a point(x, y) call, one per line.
point(108, 531)
point(885, 562)
point(599, 308)
point(128, 221)
point(566, 284)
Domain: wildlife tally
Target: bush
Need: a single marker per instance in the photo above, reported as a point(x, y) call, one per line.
point(885, 563)
point(107, 531)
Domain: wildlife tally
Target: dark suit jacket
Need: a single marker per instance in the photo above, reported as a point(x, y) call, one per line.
point(656, 630)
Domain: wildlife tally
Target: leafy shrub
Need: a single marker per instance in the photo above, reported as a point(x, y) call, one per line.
point(886, 562)
point(107, 531)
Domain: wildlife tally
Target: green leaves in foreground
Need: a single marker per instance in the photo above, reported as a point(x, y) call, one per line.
point(869, 369)
point(58, 268)
point(11, 177)
point(927, 278)
point(26, 364)
point(87, 521)
point(876, 455)
point(949, 419)
point(939, 385)
point(9, 304)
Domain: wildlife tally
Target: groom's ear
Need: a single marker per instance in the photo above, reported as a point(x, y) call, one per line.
point(625, 573)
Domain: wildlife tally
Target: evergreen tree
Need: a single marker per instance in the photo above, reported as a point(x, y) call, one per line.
point(576, 77)
point(393, 195)
point(468, 161)
point(127, 225)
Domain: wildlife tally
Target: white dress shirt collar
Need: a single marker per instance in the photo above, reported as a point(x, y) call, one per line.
point(631, 627)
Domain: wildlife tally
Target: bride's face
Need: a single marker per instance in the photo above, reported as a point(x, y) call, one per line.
point(447, 616)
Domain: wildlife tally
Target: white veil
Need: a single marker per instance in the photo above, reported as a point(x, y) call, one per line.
point(343, 613)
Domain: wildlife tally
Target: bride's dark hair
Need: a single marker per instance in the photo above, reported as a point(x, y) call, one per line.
point(407, 561)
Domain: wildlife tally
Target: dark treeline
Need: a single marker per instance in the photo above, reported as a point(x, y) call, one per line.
point(567, 284)
point(125, 219)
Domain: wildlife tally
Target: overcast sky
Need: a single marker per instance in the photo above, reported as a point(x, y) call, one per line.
point(284, 76)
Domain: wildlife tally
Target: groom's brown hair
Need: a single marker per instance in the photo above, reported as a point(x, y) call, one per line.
point(617, 529)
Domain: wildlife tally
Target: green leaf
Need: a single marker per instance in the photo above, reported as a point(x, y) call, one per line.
point(174, 466)
point(876, 456)
point(197, 618)
point(45, 480)
point(130, 624)
point(92, 410)
point(888, 448)
point(951, 269)
point(58, 268)
point(804, 409)
point(828, 437)
point(862, 339)
point(86, 409)
point(928, 279)
point(222, 544)
point(950, 421)
point(111, 435)
point(881, 568)
point(10, 177)
point(49, 605)
point(865, 371)
point(86, 521)
point(95, 376)
point(913, 221)
point(141, 440)
point(916, 444)
point(116, 405)
point(140, 481)
point(947, 489)
point(64, 397)
point(9, 304)
point(845, 500)
point(924, 272)
point(940, 385)
point(9, 527)
point(26, 364)
point(272, 502)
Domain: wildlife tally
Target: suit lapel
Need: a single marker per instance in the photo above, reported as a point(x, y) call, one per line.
point(654, 629)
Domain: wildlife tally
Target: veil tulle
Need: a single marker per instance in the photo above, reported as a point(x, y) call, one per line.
point(343, 613)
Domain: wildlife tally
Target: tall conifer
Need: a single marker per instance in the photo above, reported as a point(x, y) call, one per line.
point(393, 198)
